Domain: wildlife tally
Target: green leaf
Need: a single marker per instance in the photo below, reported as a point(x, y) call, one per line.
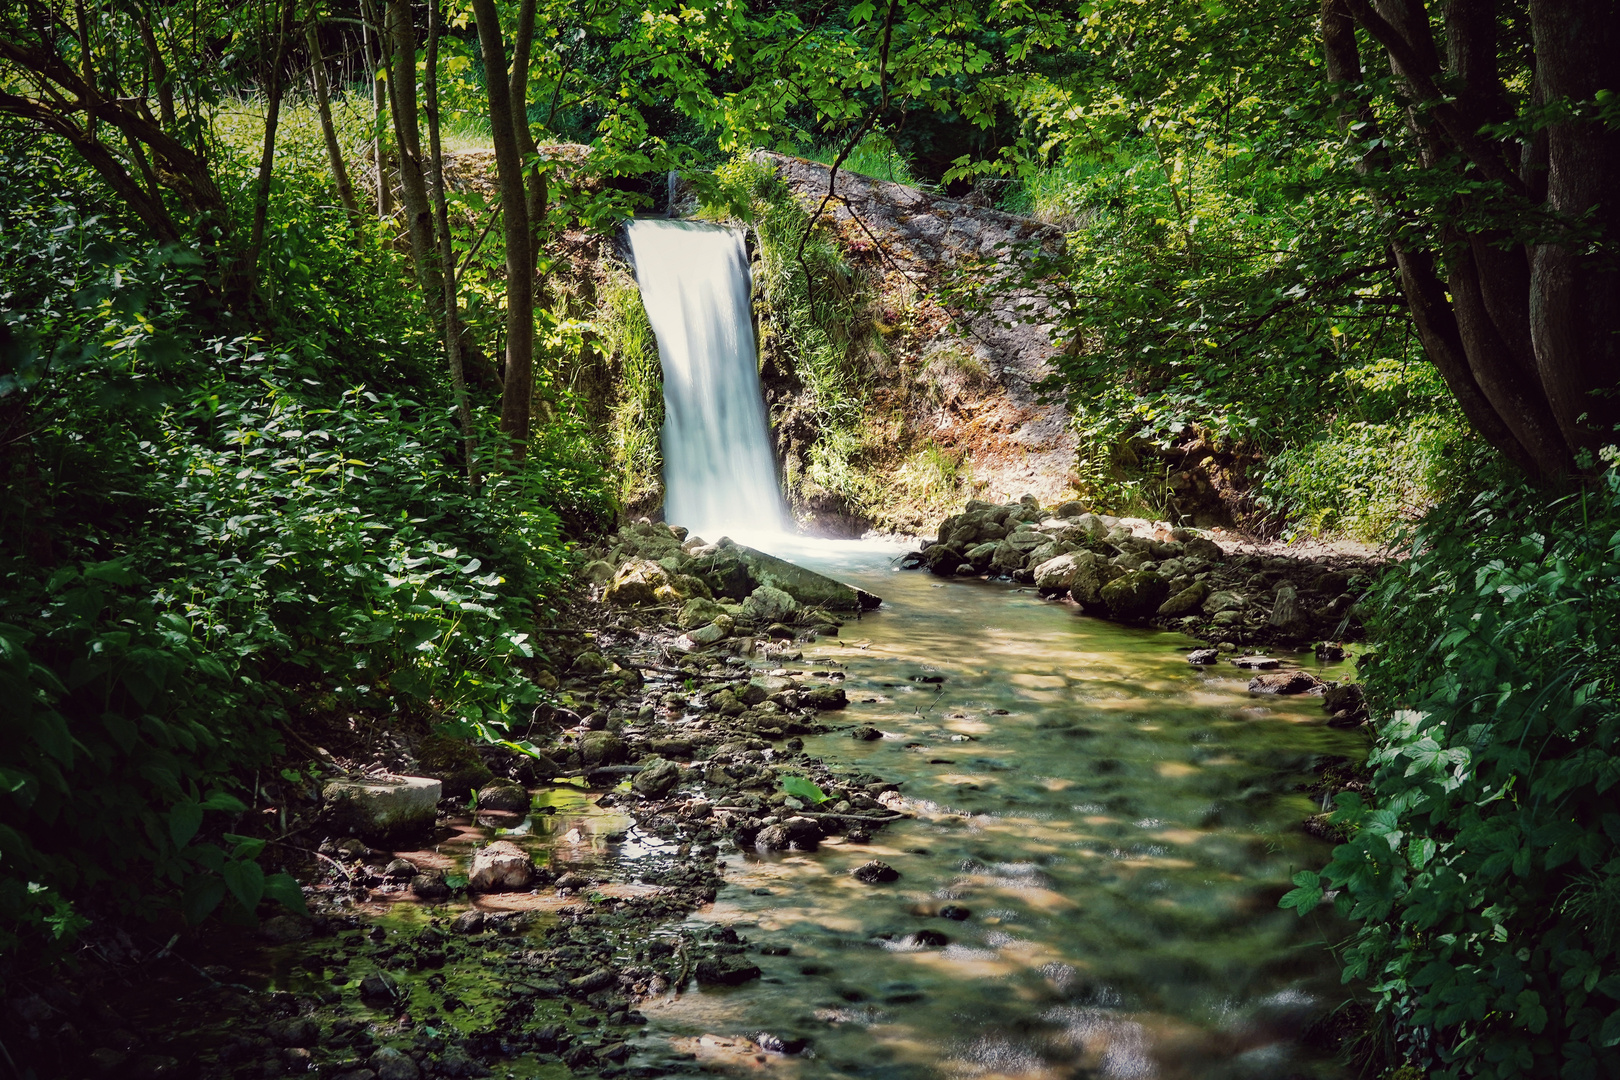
point(802, 788)
point(202, 895)
point(246, 882)
point(247, 847)
point(1609, 1034)
point(184, 821)
point(281, 888)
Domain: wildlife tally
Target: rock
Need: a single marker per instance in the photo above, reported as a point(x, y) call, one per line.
point(1056, 575)
point(498, 867)
point(282, 929)
point(825, 698)
point(391, 1064)
point(452, 762)
point(1185, 602)
point(1204, 656)
point(1285, 682)
point(299, 1031)
point(866, 733)
point(1135, 596)
point(1257, 663)
point(806, 586)
point(598, 572)
point(1329, 651)
point(468, 922)
point(1091, 573)
point(929, 939)
point(1204, 548)
point(591, 662)
point(429, 887)
point(875, 873)
point(698, 612)
point(573, 881)
point(728, 970)
point(379, 990)
point(726, 704)
point(796, 833)
point(768, 605)
point(657, 777)
point(1224, 600)
point(942, 559)
point(1346, 705)
point(1286, 614)
point(385, 807)
point(599, 979)
point(400, 870)
point(504, 796)
point(599, 748)
point(640, 582)
point(1070, 509)
point(955, 912)
point(979, 555)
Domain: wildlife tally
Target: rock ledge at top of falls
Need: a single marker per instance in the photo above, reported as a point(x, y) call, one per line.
point(652, 563)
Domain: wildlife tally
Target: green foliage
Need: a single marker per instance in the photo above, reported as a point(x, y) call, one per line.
point(816, 323)
point(1363, 479)
point(875, 156)
point(1482, 865)
point(210, 538)
point(638, 411)
point(800, 788)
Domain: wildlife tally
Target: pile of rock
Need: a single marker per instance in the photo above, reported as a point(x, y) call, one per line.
point(1136, 571)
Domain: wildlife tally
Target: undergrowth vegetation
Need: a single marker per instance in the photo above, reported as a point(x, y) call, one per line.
point(217, 536)
point(1483, 865)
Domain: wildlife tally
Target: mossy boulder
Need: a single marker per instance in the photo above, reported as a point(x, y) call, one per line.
point(1136, 596)
point(1186, 602)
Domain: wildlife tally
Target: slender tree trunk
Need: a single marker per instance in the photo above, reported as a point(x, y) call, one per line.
point(441, 215)
point(334, 149)
point(518, 382)
point(377, 63)
point(536, 187)
point(408, 141)
point(272, 120)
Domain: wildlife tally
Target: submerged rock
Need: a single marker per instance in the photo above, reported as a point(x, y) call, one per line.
point(727, 970)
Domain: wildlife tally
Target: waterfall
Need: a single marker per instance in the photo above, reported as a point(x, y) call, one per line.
point(719, 472)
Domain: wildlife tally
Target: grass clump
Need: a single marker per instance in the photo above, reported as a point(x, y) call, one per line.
point(637, 415)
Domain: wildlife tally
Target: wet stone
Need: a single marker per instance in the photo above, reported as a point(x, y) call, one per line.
point(875, 872)
point(1286, 682)
point(1253, 663)
point(954, 912)
point(866, 734)
point(726, 971)
point(1204, 656)
point(504, 796)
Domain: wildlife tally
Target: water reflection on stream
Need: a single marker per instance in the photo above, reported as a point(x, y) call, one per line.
point(1120, 836)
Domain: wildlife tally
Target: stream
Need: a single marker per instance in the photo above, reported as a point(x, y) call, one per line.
point(1115, 824)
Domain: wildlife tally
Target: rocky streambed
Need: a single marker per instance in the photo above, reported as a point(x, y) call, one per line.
point(772, 825)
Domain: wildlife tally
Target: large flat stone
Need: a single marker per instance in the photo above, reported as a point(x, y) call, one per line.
point(380, 808)
point(806, 586)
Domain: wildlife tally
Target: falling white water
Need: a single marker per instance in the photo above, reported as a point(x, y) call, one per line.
point(719, 472)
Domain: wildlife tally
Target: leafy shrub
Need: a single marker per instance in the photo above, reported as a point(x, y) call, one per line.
point(1483, 866)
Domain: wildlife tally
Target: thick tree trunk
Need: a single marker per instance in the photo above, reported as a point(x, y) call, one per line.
point(408, 141)
point(1504, 331)
point(535, 181)
point(517, 384)
point(1575, 297)
point(334, 149)
point(1432, 316)
point(441, 215)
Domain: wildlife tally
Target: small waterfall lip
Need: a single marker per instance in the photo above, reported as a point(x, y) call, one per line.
point(720, 472)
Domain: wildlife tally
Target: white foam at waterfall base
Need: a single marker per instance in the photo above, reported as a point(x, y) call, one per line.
point(719, 471)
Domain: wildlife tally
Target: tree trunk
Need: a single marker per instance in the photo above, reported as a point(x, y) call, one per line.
point(272, 120)
point(408, 141)
point(334, 150)
point(377, 63)
point(517, 384)
point(536, 188)
point(1522, 337)
point(441, 213)
point(1574, 295)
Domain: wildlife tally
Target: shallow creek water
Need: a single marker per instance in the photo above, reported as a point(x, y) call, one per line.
point(1118, 823)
